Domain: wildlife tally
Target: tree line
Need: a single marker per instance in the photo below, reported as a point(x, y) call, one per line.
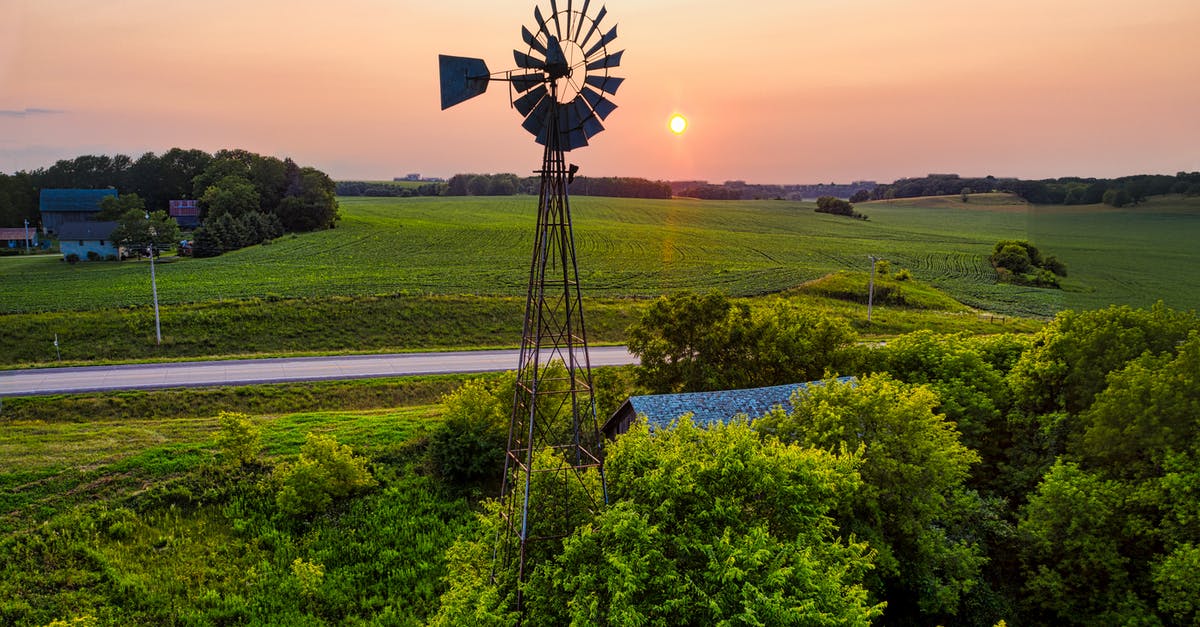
point(511, 184)
point(956, 480)
point(1117, 192)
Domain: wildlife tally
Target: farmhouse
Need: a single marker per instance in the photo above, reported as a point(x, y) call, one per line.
point(82, 238)
point(64, 206)
point(186, 213)
point(15, 238)
point(706, 407)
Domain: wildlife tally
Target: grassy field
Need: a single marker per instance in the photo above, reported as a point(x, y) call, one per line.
point(630, 248)
point(132, 521)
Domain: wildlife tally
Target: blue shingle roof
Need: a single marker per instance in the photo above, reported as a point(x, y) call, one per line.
point(75, 200)
point(712, 407)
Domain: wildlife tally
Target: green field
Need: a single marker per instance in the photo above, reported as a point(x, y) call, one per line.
point(627, 247)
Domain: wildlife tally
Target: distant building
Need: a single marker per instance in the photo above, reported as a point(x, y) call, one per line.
point(186, 213)
point(706, 408)
point(81, 238)
point(63, 206)
point(15, 238)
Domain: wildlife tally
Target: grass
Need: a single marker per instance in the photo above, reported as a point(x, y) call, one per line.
point(449, 273)
point(131, 521)
point(629, 247)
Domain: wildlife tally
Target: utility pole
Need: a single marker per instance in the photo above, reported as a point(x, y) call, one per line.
point(871, 288)
point(26, 236)
point(154, 285)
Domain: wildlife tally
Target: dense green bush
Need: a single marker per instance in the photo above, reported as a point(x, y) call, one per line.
point(239, 439)
point(324, 472)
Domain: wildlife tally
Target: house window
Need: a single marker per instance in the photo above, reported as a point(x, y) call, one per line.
point(81, 242)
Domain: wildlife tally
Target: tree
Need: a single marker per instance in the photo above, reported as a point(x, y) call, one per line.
point(135, 230)
point(114, 208)
point(707, 526)
point(239, 439)
point(689, 342)
point(231, 195)
point(913, 500)
point(310, 203)
point(970, 391)
point(1149, 411)
point(861, 195)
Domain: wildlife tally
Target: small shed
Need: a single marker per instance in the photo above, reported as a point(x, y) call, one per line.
point(706, 408)
point(81, 238)
point(65, 206)
point(15, 238)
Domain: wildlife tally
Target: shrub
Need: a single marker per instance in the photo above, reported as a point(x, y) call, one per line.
point(239, 439)
point(93, 255)
point(468, 447)
point(72, 258)
point(904, 275)
point(325, 471)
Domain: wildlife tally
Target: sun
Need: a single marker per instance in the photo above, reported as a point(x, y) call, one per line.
point(679, 124)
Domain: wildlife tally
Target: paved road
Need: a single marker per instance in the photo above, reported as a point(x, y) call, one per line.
point(245, 372)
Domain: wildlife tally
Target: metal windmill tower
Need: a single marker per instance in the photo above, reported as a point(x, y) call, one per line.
point(560, 90)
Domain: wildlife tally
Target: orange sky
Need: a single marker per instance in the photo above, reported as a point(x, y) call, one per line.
point(775, 90)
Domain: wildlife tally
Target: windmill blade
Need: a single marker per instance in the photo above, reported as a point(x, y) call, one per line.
point(526, 104)
point(604, 41)
point(557, 25)
point(462, 78)
point(599, 104)
point(607, 84)
point(575, 139)
point(586, 120)
point(532, 41)
point(537, 15)
point(612, 60)
point(595, 26)
point(582, 15)
point(535, 122)
point(524, 82)
point(568, 19)
point(528, 62)
point(554, 54)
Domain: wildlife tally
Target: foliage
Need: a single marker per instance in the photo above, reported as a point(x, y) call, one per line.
point(138, 527)
point(1070, 358)
point(913, 500)
point(136, 230)
point(689, 342)
point(468, 447)
point(239, 439)
point(113, 208)
point(969, 391)
point(706, 527)
point(325, 471)
point(1018, 261)
point(837, 206)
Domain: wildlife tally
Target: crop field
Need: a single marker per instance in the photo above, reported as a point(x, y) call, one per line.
point(639, 248)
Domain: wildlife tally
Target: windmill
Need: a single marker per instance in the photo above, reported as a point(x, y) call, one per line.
point(560, 88)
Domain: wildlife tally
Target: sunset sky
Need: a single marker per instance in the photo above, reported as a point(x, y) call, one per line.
point(776, 91)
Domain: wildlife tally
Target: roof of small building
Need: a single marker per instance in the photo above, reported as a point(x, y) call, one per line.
point(87, 230)
point(711, 407)
point(17, 233)
point(59, 200)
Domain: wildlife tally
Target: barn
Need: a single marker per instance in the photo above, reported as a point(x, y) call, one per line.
point(88, 240)
point(706, 408)
point(186, 213)
point(64, 206)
